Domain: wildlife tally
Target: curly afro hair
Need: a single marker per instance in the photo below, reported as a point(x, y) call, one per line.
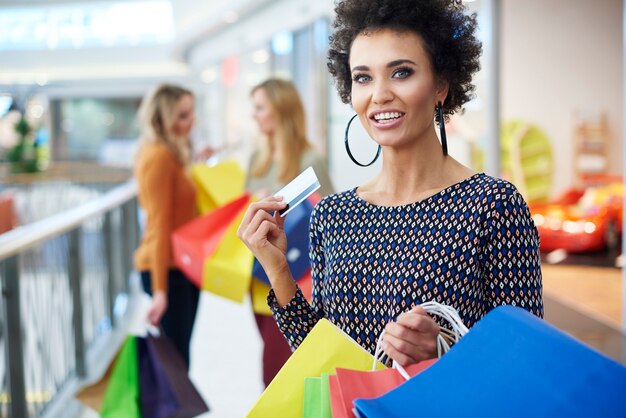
point(447, 32)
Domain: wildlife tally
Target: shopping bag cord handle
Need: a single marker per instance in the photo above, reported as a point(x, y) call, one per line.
point(443, 346)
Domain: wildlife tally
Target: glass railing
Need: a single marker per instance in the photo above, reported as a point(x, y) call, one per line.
point(63, 274)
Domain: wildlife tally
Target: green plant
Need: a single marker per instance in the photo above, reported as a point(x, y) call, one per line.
point(23, 156)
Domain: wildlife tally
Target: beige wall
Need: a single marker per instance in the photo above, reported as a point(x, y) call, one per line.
point(559, 56)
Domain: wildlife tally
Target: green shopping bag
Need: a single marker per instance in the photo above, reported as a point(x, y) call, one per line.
point(316, 397)
point(121, 399)
point(146, 379)
point(325, 396)
point(312, 405)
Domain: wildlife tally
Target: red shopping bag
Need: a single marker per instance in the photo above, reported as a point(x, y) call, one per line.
point(337, 405)
point(196, 241)
point(353, 384)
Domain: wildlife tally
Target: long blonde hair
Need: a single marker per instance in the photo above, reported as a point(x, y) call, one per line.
point(156, 119)
point(290, 134)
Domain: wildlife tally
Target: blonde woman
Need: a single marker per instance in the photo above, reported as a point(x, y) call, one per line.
point(284, 153)
point(167, 195)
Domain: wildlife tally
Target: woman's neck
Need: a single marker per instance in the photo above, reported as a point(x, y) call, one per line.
point(412, 174)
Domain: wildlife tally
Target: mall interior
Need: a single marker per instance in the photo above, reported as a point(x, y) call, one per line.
point(548, 116)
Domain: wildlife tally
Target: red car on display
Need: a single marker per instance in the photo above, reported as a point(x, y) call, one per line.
point(581, 220)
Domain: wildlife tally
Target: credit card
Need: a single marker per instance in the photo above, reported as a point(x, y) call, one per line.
point(298, 189)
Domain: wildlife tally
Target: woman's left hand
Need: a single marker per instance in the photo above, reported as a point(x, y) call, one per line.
point(412, 338)
point(206, 153)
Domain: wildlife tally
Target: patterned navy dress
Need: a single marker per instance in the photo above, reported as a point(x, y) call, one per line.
point(473, 246)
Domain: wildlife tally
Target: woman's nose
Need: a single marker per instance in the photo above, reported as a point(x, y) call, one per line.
point(381, 93)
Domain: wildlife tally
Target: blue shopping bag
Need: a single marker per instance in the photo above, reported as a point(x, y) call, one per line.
point(297, 231)
point(510, 364)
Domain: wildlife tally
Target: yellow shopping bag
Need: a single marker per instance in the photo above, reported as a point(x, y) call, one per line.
point(325, 348)
point(258, 293)
point(229, 271)
point(216, 185)
point(208, 251)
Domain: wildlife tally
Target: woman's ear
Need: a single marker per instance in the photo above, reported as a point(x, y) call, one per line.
point(442, 90)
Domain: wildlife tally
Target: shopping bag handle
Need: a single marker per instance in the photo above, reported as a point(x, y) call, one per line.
point(444, 338)
point(223, 153)
point(153, 330)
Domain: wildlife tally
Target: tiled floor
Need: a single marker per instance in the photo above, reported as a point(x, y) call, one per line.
point(594, 291)
point(586, 302)
point(226, 357)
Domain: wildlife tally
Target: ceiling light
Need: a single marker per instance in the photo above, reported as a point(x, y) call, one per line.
point(209, 75)
point(261, 56)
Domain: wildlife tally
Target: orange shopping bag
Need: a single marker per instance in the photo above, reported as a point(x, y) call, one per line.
point(198, 244)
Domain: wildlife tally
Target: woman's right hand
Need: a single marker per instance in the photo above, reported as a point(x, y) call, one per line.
point(264, 234)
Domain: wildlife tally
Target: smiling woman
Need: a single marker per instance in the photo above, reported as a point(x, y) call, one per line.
point(426, 227)
point(394, 97)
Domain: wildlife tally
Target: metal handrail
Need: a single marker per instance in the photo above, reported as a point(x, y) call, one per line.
point(116, 213)
point(27, 236)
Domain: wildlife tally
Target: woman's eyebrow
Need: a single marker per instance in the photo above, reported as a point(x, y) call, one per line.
point(400, 62)
point(391, 64)
point(360, 68)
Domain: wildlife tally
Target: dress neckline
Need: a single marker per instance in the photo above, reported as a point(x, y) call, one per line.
point(421, 201)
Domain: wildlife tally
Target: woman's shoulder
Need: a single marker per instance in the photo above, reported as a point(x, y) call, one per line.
point(155, 156)
point(150, 151)
point(336, 202)
point(253, 157)
point(155, 148)
point(492, 192)
point(311, 157)
point(484, 184)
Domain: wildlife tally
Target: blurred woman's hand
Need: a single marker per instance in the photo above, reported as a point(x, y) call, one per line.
point(158, 307)
point(205, 153)
point(412, 338)
point(263, 193)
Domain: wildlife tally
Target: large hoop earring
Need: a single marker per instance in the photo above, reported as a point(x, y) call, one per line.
point(348, 147)
point(442, 129)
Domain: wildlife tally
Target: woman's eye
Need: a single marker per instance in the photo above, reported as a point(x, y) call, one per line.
point(402, 73)
point(360, 78)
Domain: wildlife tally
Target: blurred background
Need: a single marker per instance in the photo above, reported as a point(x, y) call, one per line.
point(548, 116)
